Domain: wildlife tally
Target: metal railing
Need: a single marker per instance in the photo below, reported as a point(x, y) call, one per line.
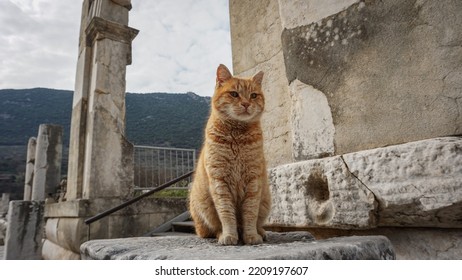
point(156, 165)
point(108, 212)
point(156, 168)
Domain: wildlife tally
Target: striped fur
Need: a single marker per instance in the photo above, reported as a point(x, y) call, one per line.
point(230, 197)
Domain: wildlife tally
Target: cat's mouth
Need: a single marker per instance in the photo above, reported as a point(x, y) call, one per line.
point(244, 115)
point(245, 112)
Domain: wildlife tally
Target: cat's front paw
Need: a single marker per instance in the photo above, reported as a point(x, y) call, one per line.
point(227, 239)
point(253, 239)
point(263, 234)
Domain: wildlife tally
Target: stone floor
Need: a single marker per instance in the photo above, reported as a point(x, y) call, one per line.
point(2, 252)
point(289, 246)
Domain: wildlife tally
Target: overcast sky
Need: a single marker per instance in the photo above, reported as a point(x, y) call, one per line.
point(180, 44)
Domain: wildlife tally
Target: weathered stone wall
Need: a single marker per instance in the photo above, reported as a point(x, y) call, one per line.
point(355, 74)
point(390, 71)
point(255, 32)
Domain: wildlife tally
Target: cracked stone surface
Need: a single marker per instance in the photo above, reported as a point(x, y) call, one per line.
point(418, 184)
point(282, 246)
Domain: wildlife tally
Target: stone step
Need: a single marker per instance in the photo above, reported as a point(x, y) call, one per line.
point(187, 227)
point(288, 246)
point(168, 226)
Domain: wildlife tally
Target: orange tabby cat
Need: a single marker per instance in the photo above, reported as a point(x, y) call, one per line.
point(230, 197)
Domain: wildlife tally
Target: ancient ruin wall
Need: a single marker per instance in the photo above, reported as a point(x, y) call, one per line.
point(363, 98)
point(355, 75)
point(255, 33)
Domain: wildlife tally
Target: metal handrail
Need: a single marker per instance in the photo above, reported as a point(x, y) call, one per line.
point(165, 148)
point(101, 215)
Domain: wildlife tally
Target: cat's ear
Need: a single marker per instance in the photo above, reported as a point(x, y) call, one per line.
point(223, 74)
point(258, 78)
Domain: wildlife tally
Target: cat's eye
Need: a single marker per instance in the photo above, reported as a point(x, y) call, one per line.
point(253, 95)
point(233, 94)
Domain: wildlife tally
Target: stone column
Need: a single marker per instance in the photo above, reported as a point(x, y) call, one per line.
point(108, 164)
point(100, 158)
point(79, 111)
point(29, 177)
point(48, 156)
point(101, 161)
point(4, 204)
point(24, 233)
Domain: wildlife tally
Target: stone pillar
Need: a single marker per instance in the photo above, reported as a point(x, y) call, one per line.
point(101, 160)
point(48, 157)
point(24, 233)
point(108, 160)
point(4, 204)
point(30, 162)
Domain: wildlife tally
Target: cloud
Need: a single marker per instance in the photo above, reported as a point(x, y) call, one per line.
point(180, 44)
point(191, 36)
point(38, 44)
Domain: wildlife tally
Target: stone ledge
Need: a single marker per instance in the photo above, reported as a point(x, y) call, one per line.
point(320, 193)
point(417, 184)
point(283, 246)
point(71, 208)
point(85, 208)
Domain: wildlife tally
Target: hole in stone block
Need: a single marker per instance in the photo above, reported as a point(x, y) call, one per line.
point(317, 186)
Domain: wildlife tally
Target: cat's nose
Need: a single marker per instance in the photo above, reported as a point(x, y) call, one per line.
point(245, 104)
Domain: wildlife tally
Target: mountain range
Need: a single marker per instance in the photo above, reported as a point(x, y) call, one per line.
point(154, 119)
